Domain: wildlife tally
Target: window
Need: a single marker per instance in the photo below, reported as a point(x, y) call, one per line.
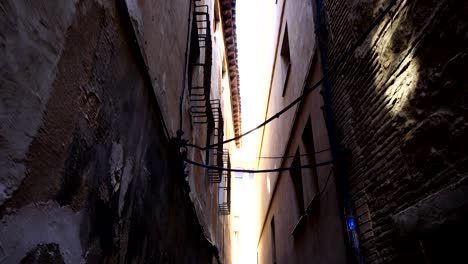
point(285, 60)
point(273, 240)
point(309, 158)
point(306, 188)
point(296, 176)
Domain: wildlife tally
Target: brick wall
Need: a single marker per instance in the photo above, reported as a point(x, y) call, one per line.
point(400, 109)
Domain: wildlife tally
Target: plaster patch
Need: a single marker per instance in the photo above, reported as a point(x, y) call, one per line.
point(39, 224)
point(32, 36)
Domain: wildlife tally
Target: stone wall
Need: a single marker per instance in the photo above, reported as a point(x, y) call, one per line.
point(400, 108)
point(88, 173)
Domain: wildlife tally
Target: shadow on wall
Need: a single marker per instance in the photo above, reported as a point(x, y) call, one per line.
point(401, 110)
point(103, 183)
point(433, 122)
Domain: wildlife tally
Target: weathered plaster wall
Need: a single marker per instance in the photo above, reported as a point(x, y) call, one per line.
point(167, 74)
point(38, 224)
point(32, 39)
point(319, 235)
point(154, 21)
point(400, 106)
point(90, 174)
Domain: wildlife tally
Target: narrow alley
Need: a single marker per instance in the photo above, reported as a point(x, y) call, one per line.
point(233, 131)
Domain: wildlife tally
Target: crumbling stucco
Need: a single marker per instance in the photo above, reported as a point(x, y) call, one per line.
point(41, 224)
point(32, 39)
point(103, 183)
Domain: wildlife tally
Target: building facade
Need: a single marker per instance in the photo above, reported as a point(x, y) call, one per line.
point(389, 114)
point(398, 105)
point(93, 97)
point(300, 218)
point(213, 101)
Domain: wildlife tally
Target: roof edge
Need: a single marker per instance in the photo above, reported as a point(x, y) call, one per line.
point(228, 18)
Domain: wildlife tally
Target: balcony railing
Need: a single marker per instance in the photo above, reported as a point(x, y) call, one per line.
point(200, 66)
point(224, 194)
point(216, 153)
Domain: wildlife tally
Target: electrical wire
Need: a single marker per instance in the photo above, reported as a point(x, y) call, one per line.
point(327, 74)
point(260, 171)
point(302, 155)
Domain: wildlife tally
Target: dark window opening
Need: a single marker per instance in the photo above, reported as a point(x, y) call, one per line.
point(273, 239)
point(285, 65)
point(296, 176)
point(308, 140)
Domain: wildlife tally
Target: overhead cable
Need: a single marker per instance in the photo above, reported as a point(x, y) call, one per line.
point(327, 74)
point(301, 155)
point(261, 171)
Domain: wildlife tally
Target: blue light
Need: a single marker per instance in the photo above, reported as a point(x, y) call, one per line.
point(351, 223)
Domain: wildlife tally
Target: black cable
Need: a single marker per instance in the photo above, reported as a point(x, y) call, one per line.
point(260, 171)
point(306, 92)
point(340, 60)
point(302, 155)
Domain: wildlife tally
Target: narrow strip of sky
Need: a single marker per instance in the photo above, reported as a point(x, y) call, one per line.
point(253, 19)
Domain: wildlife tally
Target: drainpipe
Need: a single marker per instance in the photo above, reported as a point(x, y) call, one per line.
point(348, 210)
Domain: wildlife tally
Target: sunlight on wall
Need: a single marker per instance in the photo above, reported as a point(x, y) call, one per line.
point(399, 94)
point(268, 184)
point(397, 59)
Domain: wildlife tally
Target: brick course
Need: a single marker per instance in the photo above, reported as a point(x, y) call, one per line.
point(400, 108)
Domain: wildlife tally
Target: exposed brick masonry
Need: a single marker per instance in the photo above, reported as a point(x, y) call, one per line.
point(400, 105)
